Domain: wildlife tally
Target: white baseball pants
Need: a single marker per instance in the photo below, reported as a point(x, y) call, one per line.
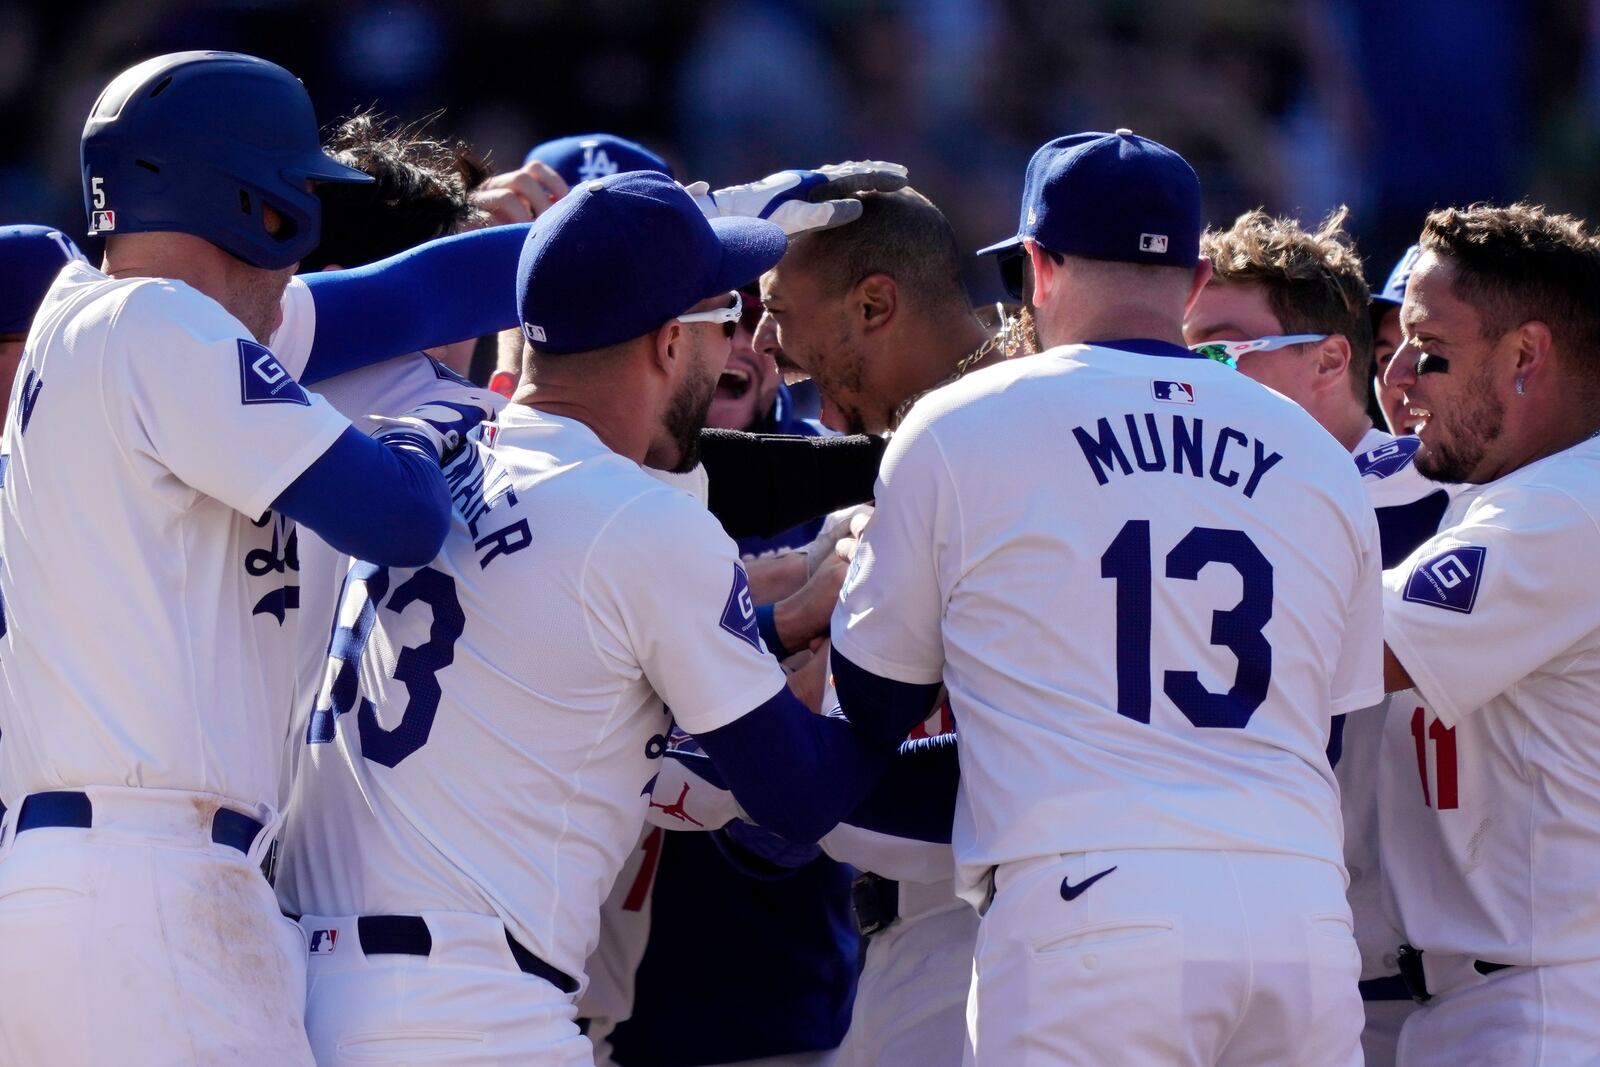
point(1210, 959)
point(140, 941)
point(465, 1004)
point(1519, 1017)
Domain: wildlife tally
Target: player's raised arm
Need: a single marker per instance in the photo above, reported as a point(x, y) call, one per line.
point(443, 291)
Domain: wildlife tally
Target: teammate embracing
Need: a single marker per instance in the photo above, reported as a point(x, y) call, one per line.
point(1487, 786)
point(157, 454)
point(1148, 585)
point(489, 720)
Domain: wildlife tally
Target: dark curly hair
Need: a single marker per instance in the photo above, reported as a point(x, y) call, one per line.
point(419, 192)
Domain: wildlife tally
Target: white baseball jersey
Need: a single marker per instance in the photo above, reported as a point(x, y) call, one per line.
point(148, 624)
point(363, 396)
point(1488, 784)
point(1148, 584)
point(1408, 507)
point(488, 722)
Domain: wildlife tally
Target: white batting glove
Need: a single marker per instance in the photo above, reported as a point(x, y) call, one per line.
point(799, 200)
point(441, 425)
point(839, 526)
point(687, 793)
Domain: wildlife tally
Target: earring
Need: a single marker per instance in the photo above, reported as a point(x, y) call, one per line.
point(1521, 391)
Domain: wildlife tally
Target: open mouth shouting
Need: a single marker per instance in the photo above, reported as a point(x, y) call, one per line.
point(734, 383)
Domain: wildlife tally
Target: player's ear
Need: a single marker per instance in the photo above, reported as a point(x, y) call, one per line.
point(1331, 361)
point(1534, 345)
point(1202, 277)
point(875, 300)
point(666, 346)
point(1044, 273)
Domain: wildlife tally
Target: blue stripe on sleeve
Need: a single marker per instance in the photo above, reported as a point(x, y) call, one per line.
point(443, 291)
point(884, 709)
point(385, 503)
point(796, 773)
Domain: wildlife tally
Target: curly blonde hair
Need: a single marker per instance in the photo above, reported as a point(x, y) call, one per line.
point(1314, 280)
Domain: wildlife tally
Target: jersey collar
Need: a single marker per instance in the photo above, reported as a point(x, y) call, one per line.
point(1146, 346)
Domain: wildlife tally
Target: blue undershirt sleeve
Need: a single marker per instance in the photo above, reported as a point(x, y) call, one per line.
point(882, 708)
point(443, 291)
point(796, 773)
point(916, 797)
point(385, 503)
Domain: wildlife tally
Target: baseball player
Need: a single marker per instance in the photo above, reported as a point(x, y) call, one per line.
point(1144, 636)
point(156, 455)
point(876, 314)
point(488, 721)
point(1271, 281)
point(876, 340)
point(30, 259)
point(1386, 341)
point(1487, 783)
point(416, 194)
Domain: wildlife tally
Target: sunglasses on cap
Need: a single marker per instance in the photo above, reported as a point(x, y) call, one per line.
point(727, 316)
point(1228, 352)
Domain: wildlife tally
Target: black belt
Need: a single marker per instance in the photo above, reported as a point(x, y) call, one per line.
point(41, 810)
point(408, 935)
point(1416, 980)
point(875, 902)
point(1391, 988)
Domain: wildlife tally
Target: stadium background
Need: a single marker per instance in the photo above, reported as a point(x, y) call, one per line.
point(1393, 106)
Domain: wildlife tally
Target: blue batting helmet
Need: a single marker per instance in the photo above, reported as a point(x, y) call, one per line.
point(200, 143)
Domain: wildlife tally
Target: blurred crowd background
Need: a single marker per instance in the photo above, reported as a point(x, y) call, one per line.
point(1391, 106)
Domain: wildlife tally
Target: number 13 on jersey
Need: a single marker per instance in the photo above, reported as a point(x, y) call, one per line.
point(415, 667)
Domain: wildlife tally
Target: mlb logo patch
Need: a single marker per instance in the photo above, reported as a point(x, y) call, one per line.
point(262, 379)
point(102, 222)
point(1389, 459)
point(1154, 243)
point(535, 334)
point(739, 613)
point(1172, 392)
point(323, 942)
point(1448, 580)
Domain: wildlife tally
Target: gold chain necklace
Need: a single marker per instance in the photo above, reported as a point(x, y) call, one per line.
point(962, 366)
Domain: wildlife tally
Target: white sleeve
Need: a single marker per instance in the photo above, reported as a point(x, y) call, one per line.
point(901, 858)
point(1493, 599)
point(216, 409)
point(888, 617)
point(291, 341)
point(665, 590)
point(1358, 673)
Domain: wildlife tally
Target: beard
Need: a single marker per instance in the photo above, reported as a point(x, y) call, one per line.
point(685, 416)
point(1474, 423)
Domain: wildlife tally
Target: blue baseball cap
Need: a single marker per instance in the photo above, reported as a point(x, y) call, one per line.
point(1115, 196)
point(615, 258)
point(30, 259)
point(1393, 293)
point(584, 157)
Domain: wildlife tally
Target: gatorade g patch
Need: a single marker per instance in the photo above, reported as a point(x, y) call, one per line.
point(262, 379)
